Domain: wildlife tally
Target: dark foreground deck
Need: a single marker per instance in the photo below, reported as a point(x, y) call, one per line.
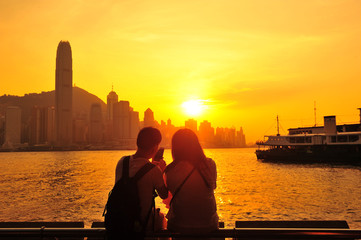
point(242, 230)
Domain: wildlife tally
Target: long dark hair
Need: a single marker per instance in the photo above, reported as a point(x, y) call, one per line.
point(186, 147)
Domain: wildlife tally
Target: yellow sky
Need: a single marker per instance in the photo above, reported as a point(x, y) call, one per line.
point(248, 60)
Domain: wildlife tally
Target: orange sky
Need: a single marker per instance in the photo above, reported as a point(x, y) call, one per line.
point(249, 60)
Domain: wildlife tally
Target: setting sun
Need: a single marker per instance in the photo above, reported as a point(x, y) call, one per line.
point(193, 107)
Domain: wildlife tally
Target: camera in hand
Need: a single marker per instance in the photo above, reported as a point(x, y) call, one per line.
point(159, 155)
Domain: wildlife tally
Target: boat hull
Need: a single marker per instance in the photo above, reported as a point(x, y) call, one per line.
point(316, 154)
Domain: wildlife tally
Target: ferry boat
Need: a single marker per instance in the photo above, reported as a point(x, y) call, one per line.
point(330, 143)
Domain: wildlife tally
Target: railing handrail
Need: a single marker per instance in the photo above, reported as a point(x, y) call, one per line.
point(305, 233)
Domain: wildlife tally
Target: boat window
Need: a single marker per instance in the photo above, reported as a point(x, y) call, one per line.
point(341, 138)
point(333, 139)
point(353, 138)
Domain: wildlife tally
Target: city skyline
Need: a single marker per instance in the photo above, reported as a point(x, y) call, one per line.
point(113, 97)
point(242, 62)
point(96, 128)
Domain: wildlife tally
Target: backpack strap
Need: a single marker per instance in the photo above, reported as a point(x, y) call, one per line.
point(141, 172)
point(125, 172)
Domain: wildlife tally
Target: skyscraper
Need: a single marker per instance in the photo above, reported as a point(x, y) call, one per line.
point(42, 125)
point(241, 138)
point(2, 129)
point(112, 98)
point(149, 118)
point(206, 133)
point(191, 124)
point(96, 124)
point(63, 95)
point(134, 124)
point(12, 127)
point(121, 126)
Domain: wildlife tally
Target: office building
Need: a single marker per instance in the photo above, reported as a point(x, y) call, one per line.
point(12, 127)
point(134, 124)
point(63, 95)
point(112, 98)
point(149, 118)
point(42, 123)
point(121, 119)
point(241, 138)
point(96, 124)
point(2, 129)
point(206, 133)
point(50, 125)
point(80, 128)
point(191, 124)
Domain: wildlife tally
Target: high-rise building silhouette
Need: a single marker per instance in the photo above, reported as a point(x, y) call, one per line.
point(96, 124)
point(80, 128)
point(149, 118)
point(50, 125)
point(241, 138)
point(225, 137)
point(121, 119)
point(12, 127)
point(206, 133)
point(134, 124)
point(191, 124)
point(2, 129)
point(63, 95)
point(36, 122)
point(42, 125)
point(112, 98)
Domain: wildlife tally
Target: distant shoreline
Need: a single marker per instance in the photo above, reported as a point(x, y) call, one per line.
point(90, 148)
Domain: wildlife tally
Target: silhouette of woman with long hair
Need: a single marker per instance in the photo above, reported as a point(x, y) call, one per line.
point(191, 179)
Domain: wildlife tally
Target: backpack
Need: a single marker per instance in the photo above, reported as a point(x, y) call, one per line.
point(122, 211)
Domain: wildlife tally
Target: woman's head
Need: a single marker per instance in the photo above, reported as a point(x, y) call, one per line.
point(186, 147)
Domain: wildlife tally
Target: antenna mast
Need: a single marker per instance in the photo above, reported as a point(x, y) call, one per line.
point(278, 127)
point(314, 109)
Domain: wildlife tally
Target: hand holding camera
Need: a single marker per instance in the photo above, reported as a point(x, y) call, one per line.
point(158, 159)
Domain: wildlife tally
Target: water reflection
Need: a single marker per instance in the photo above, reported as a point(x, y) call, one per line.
point(73, 186)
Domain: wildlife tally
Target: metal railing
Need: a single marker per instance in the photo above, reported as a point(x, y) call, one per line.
point(239, 233)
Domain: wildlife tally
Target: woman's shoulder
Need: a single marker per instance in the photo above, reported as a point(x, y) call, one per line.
point(178, 166)
point(210, 162)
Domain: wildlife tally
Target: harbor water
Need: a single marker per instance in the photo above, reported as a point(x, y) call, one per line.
point(73, 186)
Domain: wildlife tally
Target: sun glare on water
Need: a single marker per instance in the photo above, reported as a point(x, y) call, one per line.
point(193, 107)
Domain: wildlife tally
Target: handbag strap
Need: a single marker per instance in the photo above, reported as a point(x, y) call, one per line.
point(204, 179)
point(181, 185)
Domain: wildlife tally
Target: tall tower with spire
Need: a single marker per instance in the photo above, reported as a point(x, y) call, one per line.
point(63, 95)
point(112, 98)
